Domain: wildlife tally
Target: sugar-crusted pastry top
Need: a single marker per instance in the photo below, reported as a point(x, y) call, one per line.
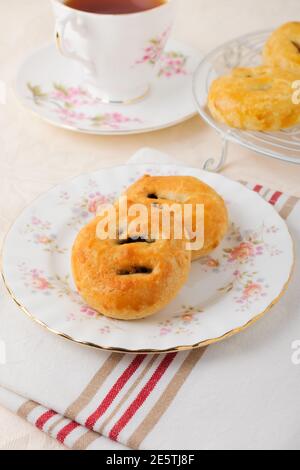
point(283, 48)
point(259, 99)
point(158, 190)
point(128, 279)
point(132, 276)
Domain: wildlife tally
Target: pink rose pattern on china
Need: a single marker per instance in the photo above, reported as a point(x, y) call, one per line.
point(83, 313)
point(72, 106)
point(87, 205)
point(249, 289)
point(241, 248)
point(244, 249)
point(249, 245)
point(154, 49)
point(114, 121)
point(40, 233)
point(183, 322)
point(172, 63)
point(37, 281)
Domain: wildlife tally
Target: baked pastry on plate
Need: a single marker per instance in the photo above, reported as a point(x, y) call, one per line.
point(160, 190)
point(130, 277)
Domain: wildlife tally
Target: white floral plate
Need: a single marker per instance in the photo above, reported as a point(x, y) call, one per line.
point(52, 87)
point(225, 292)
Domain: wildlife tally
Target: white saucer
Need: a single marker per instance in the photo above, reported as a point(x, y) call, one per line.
point(51, 87)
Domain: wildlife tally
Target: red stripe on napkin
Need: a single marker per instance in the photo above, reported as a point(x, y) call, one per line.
point(257, 188)
point(275, 198)
point(44, 418)
point(66, 430)
point(114, 391)
point(142, 396)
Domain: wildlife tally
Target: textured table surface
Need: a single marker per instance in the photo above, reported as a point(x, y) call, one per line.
point(35, 156)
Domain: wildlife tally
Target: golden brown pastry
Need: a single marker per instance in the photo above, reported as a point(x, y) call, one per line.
point(158, 190)
point(128, 278)
point(283, 48)
point(256, 99)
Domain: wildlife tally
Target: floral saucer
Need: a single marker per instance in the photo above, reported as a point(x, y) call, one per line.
point(226, 291)
point(52, 87)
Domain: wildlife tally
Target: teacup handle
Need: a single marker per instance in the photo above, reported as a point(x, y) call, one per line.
point(60, 29)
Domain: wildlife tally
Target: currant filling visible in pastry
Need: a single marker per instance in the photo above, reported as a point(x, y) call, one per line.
point(160, 190)
point(128, 279)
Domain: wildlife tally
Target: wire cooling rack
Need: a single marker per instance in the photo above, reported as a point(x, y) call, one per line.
point(245, 51)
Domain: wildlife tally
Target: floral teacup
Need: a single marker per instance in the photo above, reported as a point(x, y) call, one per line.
point(118, 52)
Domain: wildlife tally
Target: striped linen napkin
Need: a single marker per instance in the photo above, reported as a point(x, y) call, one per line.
point(239, 394)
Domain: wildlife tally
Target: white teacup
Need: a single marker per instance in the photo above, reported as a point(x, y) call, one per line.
point(118, 52)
